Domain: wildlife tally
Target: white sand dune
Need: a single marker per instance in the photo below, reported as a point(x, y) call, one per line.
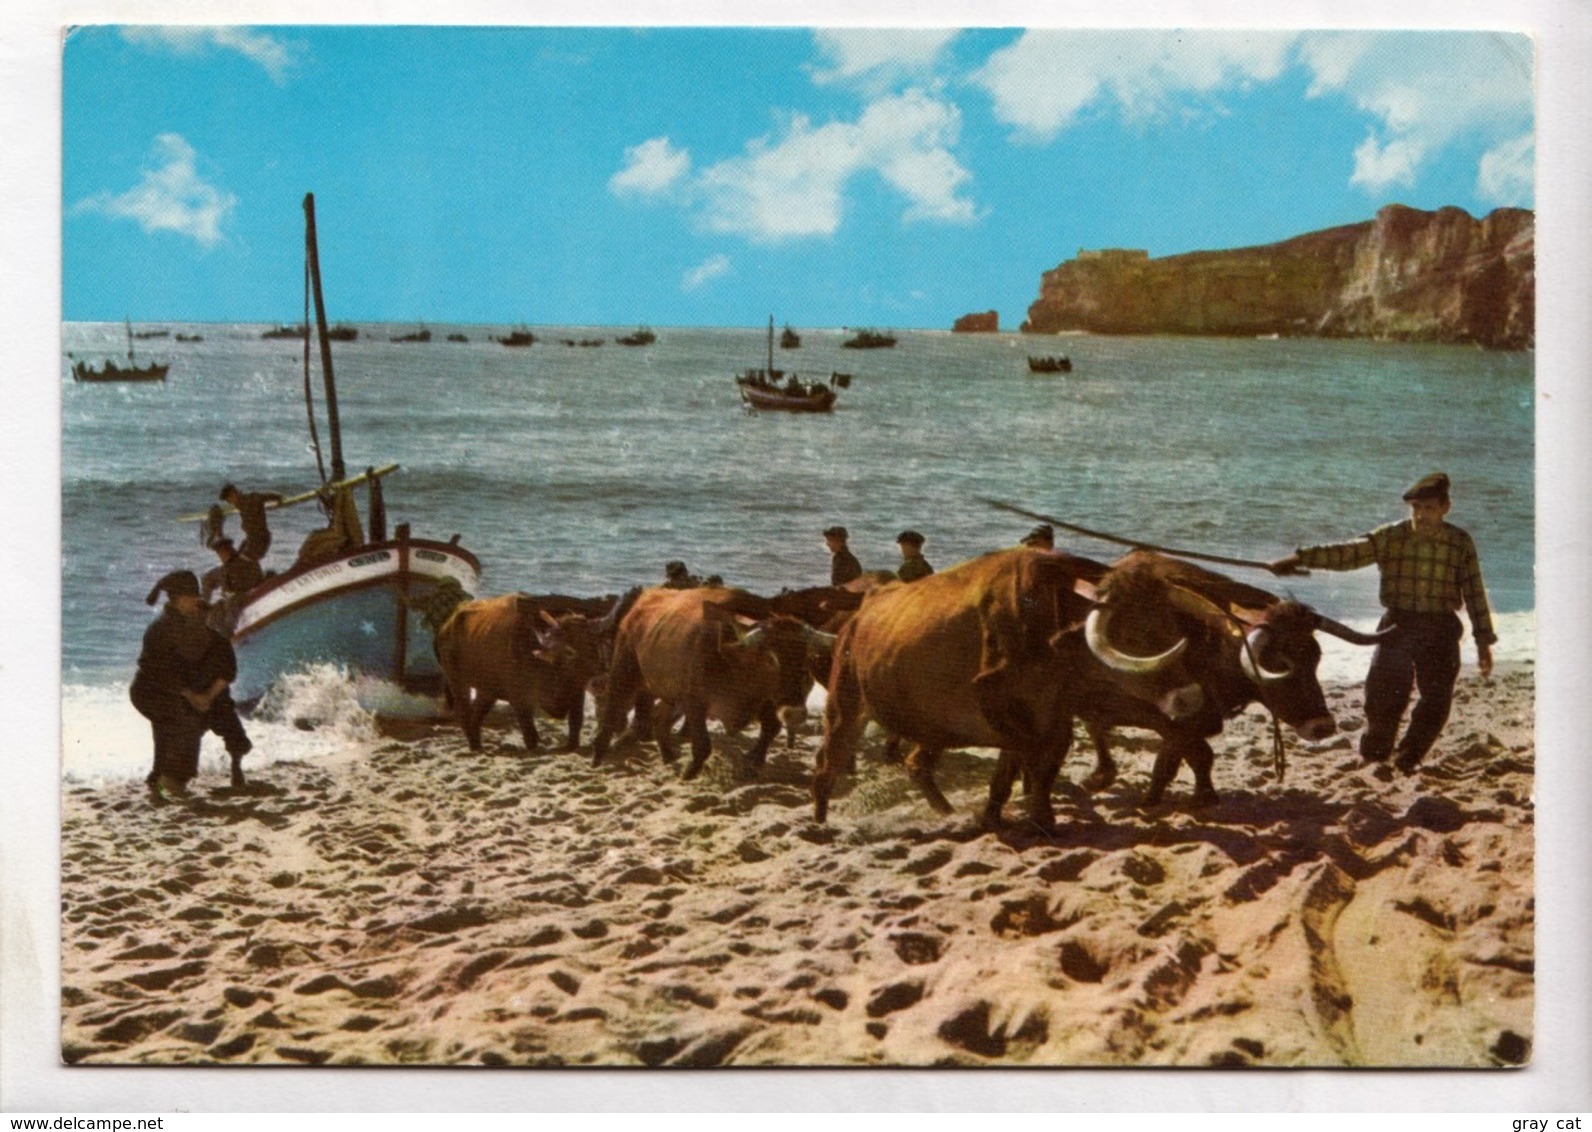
point(425, 905)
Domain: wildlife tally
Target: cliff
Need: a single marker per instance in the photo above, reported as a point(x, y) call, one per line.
point(1407, 275)
point(987, 323)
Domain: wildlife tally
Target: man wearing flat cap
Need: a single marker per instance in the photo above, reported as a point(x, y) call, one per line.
point(676, 576)
point(1429, 570)
point(843, 565)
point(1042, 537)
point(913, 564)
point(184, 671)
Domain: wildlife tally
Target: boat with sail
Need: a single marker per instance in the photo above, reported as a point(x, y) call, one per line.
point(352, 598)
point(110, 371)
point(770, 388)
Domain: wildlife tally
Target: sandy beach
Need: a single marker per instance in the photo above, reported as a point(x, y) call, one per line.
point(423, 905)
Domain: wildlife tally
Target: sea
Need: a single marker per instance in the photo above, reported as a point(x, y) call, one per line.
point(584, 469)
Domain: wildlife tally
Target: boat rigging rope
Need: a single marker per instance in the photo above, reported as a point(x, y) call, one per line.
point(309, 389)
point(1135, 543)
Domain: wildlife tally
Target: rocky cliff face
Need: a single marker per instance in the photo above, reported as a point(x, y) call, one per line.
point(987, 323)
point(1407, 275)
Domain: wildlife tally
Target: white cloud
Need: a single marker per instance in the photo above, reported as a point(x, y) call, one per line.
point(171, 197)
point(876, 57)
point(650, 169)
point(270, 53)
point(1425, 90)
point(1507, 174)
point(795, 187)
point(710, 268)
point(1044, 81)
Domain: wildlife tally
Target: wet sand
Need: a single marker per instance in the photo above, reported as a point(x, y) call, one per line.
point(423, 905)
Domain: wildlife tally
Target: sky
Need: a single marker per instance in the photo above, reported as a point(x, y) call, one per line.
point(715, 176)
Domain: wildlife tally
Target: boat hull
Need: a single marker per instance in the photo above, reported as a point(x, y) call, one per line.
point(821, 402)
point(81, 372)
point(355, 611)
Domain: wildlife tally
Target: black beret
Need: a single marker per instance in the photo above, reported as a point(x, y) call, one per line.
point(910, 537)
point(226, 490)
point(178, 583)
point(675, 567)
point(837, 532)
point(1434, 486)
point(1042, 533)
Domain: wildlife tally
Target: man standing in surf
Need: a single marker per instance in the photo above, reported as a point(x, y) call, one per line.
point(1429, 569)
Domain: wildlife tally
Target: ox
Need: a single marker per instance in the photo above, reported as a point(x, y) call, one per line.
point(1262, 648)
point(510, 648)
point(688, 650)
point(1000, 651)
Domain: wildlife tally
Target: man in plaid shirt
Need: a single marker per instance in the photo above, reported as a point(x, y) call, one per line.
point(1429, 569)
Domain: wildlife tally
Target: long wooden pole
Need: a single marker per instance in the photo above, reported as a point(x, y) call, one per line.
point(314, 259)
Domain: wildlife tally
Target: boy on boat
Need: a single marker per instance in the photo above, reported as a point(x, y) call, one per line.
point(1429, 569)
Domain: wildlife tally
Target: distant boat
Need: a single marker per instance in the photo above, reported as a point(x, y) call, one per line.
point(132, 371)
point(771, 388)
point(142, 334)
point(1054, 363)
point(457, 338)
point(285, 331)
point(190, 337)
point(789, 339)
point(642, 337)
point(520, 337)
point(421, 335)
point(869, 340)
point(342, 332)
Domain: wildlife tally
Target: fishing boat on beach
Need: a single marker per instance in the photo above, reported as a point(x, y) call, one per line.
point(1053, 363)
point(353, 596)
point(770, 388)
point(110, 371)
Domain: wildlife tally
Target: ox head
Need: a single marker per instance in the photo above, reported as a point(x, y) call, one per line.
point(1279, 655)
point(1139, 632)
point(783, 647)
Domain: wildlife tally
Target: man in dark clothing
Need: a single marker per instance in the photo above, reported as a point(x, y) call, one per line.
point(843, 565)
point(251, 513)
point(1429, 569)
point(1042, 537)
point(234, 575)
point(677, 577)
point(913, 564)
point(184, 670)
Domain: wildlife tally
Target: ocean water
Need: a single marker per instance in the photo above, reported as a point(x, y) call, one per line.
point(583, 470)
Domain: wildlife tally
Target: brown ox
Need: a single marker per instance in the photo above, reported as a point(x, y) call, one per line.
point(688, 650)
point(510, 648)
point(1001, 651)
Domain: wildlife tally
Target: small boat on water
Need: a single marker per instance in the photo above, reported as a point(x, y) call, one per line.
point(789, 339)
point(110, 371)
point(771, 388)
point(421, 335)
point(1052, 363)
point(642, 337)
point(457, 338)
point(142, 334)
point(342, 332)
point(869, 340)
point(190, 337)
point(286, 331)
point(517, 337)
point(353, 596)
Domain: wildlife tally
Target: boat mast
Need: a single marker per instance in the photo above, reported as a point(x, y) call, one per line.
point(771, 347)
point(131, 361)
point(312, 257)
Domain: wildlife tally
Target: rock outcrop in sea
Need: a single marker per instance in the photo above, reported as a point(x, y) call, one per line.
point(1408, 275)
point(987, 323)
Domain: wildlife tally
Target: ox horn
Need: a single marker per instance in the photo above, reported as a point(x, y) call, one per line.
point(1353, 636)
point(817, 639)
point(1094, 632)
point(751, 639)
point(1249, 656)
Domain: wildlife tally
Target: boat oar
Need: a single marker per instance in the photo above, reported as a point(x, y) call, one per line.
point(1134, 543)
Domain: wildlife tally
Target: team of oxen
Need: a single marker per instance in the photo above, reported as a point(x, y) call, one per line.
point(1005, 651)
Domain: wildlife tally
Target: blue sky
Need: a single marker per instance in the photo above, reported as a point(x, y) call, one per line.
point(710, 176)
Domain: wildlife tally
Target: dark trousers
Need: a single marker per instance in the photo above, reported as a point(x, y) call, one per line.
point(255, 544)
point(1424, 655)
